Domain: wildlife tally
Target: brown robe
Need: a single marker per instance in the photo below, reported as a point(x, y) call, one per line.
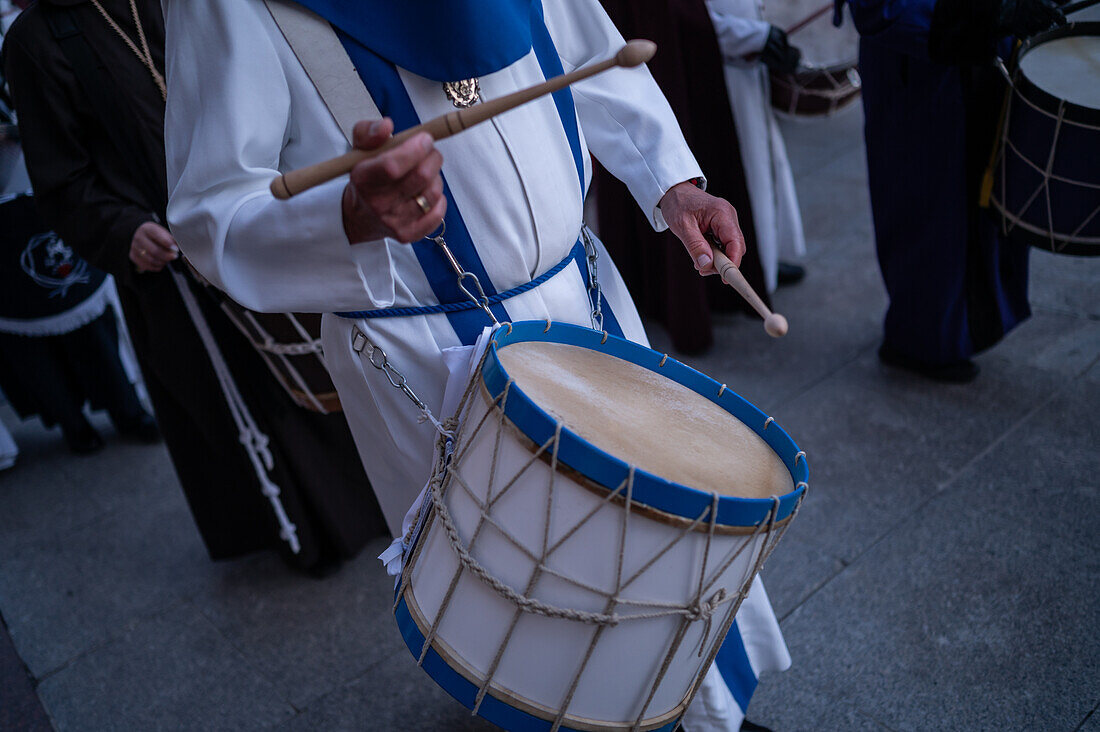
point(688, 68)
point(89, 193)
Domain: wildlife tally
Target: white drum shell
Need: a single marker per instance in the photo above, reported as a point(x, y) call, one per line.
point(543, 655)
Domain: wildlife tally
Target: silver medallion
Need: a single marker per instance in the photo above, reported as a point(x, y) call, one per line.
point(465, 93)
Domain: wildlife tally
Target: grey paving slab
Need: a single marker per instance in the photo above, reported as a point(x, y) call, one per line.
point(20, 708)
point(307, 635)
point(1092, 722)
point(831, 714)
point(1053, 341)
point(172, 671)
point(794, 572)
point(1047, 472)
point(836, 206)
point(41, 497)
point(835, 315)
point(51, 492)
point(813, 143)
point(395, 695)
point(880, 443)
point(64, 594)
point(1067, 284)
point(966, 617)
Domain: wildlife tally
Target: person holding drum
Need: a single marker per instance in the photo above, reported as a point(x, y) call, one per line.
point(753, 47)
point(931, 99)
point(427, 243)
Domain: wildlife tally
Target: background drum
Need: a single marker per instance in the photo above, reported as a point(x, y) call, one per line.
point(1047, 175)
point(554, 576)
point(828, 80)
point(290, 344)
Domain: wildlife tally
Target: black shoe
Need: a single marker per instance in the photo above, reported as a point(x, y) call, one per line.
point(790, 273)
point(140, 428)
point(747, 726)
point(959, 372)
point(82, 437)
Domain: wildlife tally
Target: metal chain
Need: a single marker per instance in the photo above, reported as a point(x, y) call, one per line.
point(379, 360)
point(594, 290)
point(480, 298)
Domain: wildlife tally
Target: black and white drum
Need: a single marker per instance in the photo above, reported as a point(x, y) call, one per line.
point(590, 531)
point(827, 80)
point(1047, 182)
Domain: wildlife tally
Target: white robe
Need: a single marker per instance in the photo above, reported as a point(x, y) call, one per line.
point(742, 31)
point(241, 109)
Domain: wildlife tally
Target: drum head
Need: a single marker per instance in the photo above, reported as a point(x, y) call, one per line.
point(647, 420)
point(607, 470)
point(823, 45)
point(1066, 67)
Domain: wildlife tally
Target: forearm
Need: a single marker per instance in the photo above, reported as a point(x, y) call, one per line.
point(737, 36)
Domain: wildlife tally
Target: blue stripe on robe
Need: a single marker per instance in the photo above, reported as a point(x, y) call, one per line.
point(389, 94)
point(550, 63)
point(733, 663)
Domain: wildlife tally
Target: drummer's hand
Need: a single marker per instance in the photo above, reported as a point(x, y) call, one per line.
point(692, 213)
point(778, 54)
point(152, 247)
point(380, 199)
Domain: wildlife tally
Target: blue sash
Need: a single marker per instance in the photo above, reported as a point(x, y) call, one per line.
point(388, 92)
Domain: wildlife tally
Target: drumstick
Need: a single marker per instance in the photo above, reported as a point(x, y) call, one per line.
point(634, 53)
point(774, 323)
point(810, 19)
point(817, 14)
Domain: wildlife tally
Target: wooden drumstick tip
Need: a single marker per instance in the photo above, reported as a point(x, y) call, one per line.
point(279, 188)
point(775, 325)
point(635, 53)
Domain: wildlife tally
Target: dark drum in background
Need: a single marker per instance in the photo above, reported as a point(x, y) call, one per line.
point(1047, 178)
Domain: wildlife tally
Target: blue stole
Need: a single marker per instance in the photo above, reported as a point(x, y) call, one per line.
point(441, 40)
point(388, 92)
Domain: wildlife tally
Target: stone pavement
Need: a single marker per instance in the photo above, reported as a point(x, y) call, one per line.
point(943, 574)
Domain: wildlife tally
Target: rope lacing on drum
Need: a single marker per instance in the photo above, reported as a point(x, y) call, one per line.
point(707, 602)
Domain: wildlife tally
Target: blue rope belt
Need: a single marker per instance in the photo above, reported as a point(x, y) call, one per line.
point(576, 254)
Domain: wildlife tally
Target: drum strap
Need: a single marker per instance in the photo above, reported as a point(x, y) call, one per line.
point(325, 61)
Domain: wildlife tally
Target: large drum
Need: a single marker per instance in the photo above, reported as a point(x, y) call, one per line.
point(590, 532)
point(827, 80)
point(1047, 181)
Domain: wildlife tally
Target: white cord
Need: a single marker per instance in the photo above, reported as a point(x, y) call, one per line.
point(254, 440)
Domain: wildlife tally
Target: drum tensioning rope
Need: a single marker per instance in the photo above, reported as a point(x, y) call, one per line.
point(704, 604)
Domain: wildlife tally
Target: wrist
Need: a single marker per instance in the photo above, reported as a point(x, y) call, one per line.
point(351, 210)
point(691, 184)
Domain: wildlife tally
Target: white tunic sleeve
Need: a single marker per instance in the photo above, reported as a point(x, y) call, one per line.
point(625, 118)
point(739, 33)
point(229, 119)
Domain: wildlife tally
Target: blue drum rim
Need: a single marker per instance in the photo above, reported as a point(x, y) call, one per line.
point(608, 471)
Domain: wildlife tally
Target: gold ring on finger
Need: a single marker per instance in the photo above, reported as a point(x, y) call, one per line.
point(423, 204)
